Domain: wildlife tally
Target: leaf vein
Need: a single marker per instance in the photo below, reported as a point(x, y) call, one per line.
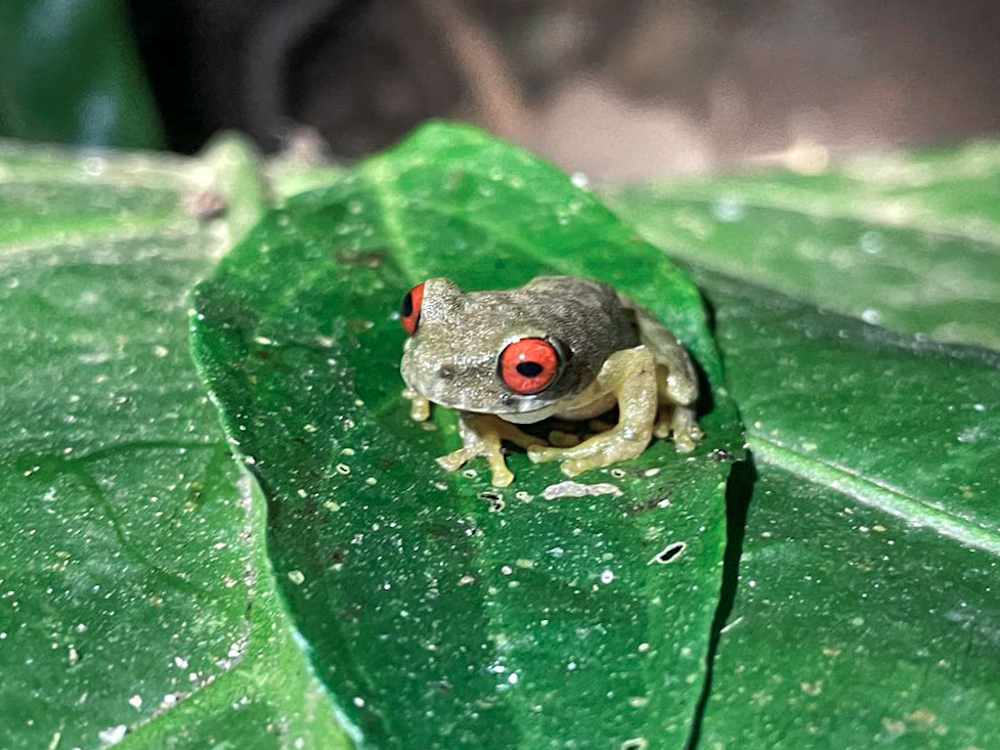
point(870, 493)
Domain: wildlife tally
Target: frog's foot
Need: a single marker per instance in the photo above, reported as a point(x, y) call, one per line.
point(482, 435)
point(501, 476)
point(631, 373)
point(420, 407)
point(596, 452)
point(680, 422)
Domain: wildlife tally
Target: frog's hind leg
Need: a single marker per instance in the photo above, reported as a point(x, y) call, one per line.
point(631, 374)
point(676, 381)
point(676, 415)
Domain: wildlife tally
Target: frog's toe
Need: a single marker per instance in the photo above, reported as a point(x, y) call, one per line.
point(454, 460)
point(680, 422)
point(686, 442)
point(501, 477)
point(574, 467)
point(539, 453)
point(686, 437)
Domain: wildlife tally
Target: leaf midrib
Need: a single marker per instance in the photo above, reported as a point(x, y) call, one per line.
point(869, 492)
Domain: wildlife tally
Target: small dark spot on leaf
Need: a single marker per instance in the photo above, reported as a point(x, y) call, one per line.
point(670, 553)
point(721, 454)
point(351, 613)
point(444, 686)
point(337, 556)
point(206, 205)
point(494, 500)
point(453, 180)
point(640, 508)
point(639, 743)
point(359, 325)
point(440, 530)
point(194, 492)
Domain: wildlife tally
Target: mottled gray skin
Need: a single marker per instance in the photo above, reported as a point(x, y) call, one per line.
point(452, 358)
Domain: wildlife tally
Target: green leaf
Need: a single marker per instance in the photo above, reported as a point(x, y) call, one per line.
point(868, 610)
point(70, 73)
point(908, 241)
point(438, 612)
point(135, 595)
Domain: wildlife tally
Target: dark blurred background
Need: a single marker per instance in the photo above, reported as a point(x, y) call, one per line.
point(618, 89)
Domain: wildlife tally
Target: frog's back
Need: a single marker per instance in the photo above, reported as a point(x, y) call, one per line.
point(586, 308)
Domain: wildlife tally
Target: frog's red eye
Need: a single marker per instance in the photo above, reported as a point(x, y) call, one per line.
point(529, 365)
point(409, 310)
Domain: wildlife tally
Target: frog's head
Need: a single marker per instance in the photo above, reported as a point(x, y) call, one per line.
point(486, 352)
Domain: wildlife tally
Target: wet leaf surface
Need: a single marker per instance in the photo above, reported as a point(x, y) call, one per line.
point(908, 241)
point(135, 601)
point(867, 611)
point(439, 611)
point(132, 554)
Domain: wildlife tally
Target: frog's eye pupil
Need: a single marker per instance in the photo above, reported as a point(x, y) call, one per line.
point(529, 365)
point(409, 309)
point(530, 369)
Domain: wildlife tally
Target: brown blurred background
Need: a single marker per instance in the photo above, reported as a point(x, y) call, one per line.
point(621, 90)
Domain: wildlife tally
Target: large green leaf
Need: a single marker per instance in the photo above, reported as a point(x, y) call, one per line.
point(868, 612)
point(134, 591)
point(438, 612)
point(907, 241)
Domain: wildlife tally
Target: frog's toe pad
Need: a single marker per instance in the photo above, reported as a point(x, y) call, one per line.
point(502, 478)
point(539, 453)
point(454, 460)
point(572, 468)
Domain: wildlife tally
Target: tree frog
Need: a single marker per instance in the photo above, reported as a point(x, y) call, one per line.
point(559, 346)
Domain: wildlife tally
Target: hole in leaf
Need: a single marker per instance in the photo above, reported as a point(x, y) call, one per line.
point(669, 553)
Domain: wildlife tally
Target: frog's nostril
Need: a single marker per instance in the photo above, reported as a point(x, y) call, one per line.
point(446, 371)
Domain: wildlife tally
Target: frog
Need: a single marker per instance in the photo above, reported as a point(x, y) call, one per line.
point(557, 346)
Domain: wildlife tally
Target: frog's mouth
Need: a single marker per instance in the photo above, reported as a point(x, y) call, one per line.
point(509, 407)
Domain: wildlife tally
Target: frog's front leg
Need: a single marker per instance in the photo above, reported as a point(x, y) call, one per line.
point(631, 375)
point(481, 436)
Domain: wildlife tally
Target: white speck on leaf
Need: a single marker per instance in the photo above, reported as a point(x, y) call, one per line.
point(114, 735)
point(971, 434)
point(570, 488)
